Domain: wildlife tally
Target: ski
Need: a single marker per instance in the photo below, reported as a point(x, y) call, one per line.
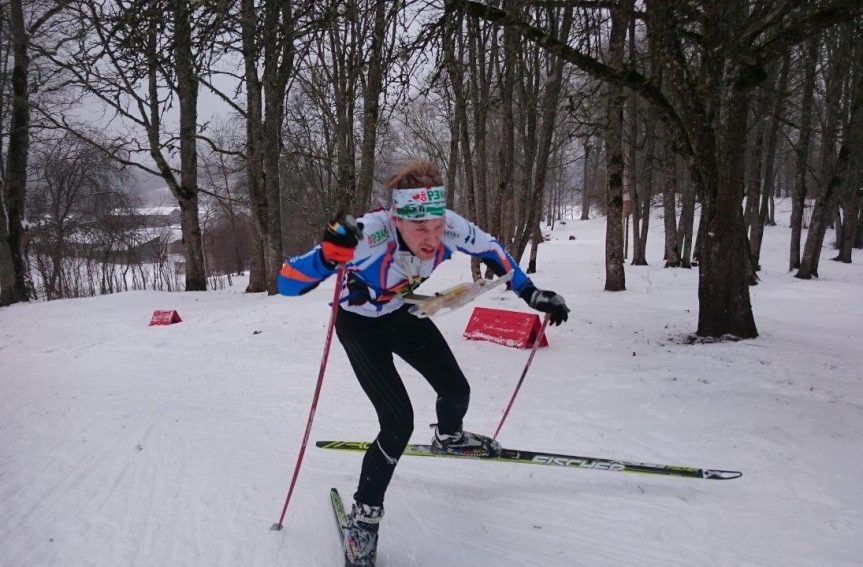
point(452, 298)
point(339, 511)
point(554, 460)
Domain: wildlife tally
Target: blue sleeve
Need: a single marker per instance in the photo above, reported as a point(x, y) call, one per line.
point(472, 240)
point(302, 274)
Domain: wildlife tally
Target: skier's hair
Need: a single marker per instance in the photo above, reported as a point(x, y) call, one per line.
point(413, 174)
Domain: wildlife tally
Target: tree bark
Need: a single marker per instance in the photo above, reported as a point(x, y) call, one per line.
point(777, 101)
point(850, 212)
point(801, 168)
point(479, 89)
point(645, 189)
point(258, 276)
point(687, 220)
point(548, 111)
point(187, 192)
point(615, 276)
point(371, 107)
point(633, 190)
point(669, 206)
point(718, 142)
point(535, 241)
point(13, 283)
point(833, 167)
point(506, 151)
point(585, 192)
point(858, 238)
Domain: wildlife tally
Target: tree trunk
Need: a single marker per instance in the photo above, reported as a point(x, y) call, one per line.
point(833, 168)
point(815, 238)
point(718, 144)
point(585, 192)
point(633, 190)
point(687, 220)
point(453, 43)
point(669, 206)
point(259, 279)
point(723, 290)
point(548, 111)
point(187, 93)
point(506, 151)
point(645, 189)
point(345, 62)
point(480, 98)
point(278, 65)
point(371, 109)
point(777, 101)
point(798, 192)
point(850, 211)
point(615, 276)
point(13, 283)
point(858, 238)
point(535, 241)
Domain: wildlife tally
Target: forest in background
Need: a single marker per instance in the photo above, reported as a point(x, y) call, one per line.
point(707, 110)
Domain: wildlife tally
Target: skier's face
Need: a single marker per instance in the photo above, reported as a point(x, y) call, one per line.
point(422, 237)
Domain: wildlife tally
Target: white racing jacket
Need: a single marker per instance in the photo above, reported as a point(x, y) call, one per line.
point(384, 269)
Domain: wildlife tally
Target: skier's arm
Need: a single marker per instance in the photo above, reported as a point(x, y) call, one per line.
point(476, 242)
point(342, 243)
point(302, 274)
point(472, 240)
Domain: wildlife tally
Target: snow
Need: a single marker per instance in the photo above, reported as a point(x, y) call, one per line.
point(161, 210)
point(124, 444)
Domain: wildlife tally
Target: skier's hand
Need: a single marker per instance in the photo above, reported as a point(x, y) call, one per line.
point(340, 240)
point(551, 303)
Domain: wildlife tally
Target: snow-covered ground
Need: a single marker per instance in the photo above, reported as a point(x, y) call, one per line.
point(128, 445)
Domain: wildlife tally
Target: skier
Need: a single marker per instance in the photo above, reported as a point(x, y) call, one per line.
point(400, 248)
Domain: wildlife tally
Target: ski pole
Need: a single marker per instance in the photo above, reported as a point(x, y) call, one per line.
point(350, 224)
point(533, 350)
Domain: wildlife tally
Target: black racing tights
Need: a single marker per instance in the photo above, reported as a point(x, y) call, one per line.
point(370, 343)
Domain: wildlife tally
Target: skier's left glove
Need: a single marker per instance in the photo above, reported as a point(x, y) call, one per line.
point(340, 240)
point(547, 302)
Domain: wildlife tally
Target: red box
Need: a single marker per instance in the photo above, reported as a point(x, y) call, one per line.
point(509, 328)
point(164, 317)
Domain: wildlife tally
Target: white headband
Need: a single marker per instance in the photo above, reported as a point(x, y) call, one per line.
point(423, 203)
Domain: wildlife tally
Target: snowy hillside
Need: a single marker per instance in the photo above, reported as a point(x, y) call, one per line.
point(128, 445)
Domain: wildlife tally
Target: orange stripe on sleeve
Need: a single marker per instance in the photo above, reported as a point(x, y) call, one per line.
point(503, 260)
point(294, 274)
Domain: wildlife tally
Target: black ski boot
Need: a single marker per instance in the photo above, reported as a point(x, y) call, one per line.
point(361, 535)
point(465, 443)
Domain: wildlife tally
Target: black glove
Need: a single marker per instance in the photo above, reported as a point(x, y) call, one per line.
point(548, 302)
point(340, 240)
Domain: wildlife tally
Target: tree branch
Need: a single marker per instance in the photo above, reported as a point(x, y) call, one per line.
point(627, 77)
point(812, 22)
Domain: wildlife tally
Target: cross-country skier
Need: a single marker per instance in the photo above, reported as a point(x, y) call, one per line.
point(400, 248)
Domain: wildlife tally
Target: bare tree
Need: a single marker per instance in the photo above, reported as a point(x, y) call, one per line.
point(268, 34)
point(13, 186)
point(836, 168)
point(75, 188)
point(708, 51)
point(801, 168)
point(538, 169)
point(127, 56)
point(615, 276)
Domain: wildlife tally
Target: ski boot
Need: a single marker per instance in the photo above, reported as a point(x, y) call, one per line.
point(361, 535)
point(465, 443)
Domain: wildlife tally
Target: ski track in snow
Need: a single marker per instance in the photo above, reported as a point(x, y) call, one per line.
point(125, 445)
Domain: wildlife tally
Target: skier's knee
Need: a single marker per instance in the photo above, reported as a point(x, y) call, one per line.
point(396, 431)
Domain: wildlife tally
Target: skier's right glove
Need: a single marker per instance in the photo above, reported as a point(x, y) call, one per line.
point(340, 240)
point(548, 302)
